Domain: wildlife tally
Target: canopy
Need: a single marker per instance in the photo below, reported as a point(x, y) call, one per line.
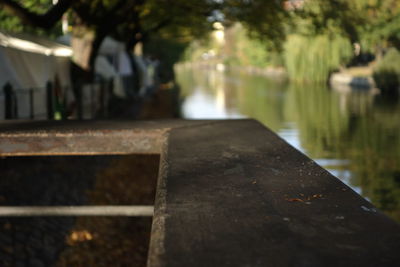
point(28, 61)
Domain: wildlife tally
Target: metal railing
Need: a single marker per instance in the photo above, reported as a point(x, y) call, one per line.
point(56, 103)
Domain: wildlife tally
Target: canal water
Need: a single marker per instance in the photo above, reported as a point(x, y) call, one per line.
point(354, 134)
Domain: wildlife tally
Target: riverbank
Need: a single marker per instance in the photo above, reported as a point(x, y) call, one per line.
point(271, 72)
point(354, 77)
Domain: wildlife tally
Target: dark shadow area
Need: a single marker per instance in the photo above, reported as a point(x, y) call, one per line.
point(76, 181)
point(387, 81)
point(68, 241)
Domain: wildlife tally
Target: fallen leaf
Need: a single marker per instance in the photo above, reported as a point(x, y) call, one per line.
point(294, 200)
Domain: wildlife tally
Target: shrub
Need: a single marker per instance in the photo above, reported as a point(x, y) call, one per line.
point(387, 71)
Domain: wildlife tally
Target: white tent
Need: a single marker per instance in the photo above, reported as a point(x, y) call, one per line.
point(30, 62)
point(112, 62)
point(107, 61)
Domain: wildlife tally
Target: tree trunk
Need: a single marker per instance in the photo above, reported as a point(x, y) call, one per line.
point(100, 35)
point(130, 46)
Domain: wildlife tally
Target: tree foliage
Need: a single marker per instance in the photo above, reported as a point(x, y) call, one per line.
point(20, 23)
point(373, 23)
point(324, 55)
point(265, 20)
point(387, 71)
point(128, 21)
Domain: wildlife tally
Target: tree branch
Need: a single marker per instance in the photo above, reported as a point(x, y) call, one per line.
point(160, 25)
point(45, 21)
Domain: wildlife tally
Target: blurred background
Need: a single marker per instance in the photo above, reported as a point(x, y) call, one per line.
point(322, 74)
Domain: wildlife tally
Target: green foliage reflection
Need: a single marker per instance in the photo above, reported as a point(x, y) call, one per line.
point(357, 127)
point(359, 131)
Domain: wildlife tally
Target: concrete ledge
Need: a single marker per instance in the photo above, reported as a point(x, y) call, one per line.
point(30, 211)
point(235, 194)
point(230, 193)
point(85, 138)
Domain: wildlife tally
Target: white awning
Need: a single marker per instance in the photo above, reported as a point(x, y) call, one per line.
point(34, 45)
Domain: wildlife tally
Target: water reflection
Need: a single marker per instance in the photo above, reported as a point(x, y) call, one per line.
point(213, 102)
point(353, 134)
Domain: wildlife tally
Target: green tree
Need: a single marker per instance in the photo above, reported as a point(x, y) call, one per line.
point(265, 20)
point(373, 23)
point(13, 23)
point(128, 21)
point(381, 23)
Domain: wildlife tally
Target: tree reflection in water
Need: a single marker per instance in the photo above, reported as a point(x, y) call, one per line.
point(355, 134)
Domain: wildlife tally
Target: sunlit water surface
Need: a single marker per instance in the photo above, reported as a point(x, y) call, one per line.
point(354, 134)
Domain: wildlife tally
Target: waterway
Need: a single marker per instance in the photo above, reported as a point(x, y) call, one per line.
point(354, 134)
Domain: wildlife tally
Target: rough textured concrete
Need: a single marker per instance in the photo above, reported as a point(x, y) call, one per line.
point(231, 193)
point(55, 211)
point(19, 138)
point(235, 194)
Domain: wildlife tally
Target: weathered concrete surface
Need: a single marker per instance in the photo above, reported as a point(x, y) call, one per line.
point(84, 137)
point(235, 194)
point(105, 210)
point(230, 193)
